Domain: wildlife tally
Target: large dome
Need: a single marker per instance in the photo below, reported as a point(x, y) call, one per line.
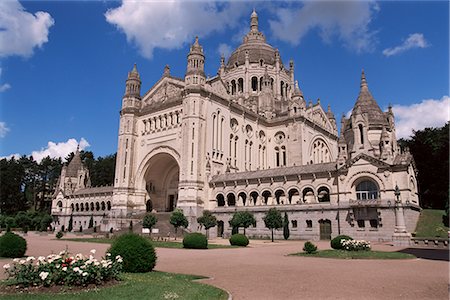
point(255, 44)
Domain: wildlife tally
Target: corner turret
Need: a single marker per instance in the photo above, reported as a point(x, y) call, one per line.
point(195, 72)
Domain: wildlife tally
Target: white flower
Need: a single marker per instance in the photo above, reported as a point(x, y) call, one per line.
point(30, 258)
point(7, 266)
point(108, 254)
point(43, 275)
point(15, 260)
point(85, 274)
point(64, 269)
point(119, 260)
point(76, 269)
point(22, 261)
point(93, 251)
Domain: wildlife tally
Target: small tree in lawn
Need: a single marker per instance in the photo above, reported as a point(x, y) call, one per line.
point(91, 222)
point(177, 219)
point(273, 220)
point(207, 220)
point(70, 227)
point(149, 221)
point(242, 219)
point(286, 232)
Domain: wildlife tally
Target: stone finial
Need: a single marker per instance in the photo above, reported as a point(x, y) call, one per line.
point(363, 80)
point(254, 21)
point(166, 70)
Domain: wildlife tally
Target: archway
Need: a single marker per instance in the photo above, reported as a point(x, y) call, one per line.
point(231, 199)
point(161, 183)
point(323, 194)
point(294, 196)
point(325, 229)
point(220, 228)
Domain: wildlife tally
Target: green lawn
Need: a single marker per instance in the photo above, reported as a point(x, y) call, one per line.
point(152, 285)
point(157, 244)
point(430, 224)
point(342, 254)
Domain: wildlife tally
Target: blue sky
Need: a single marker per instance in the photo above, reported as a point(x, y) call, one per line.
point(64, 64)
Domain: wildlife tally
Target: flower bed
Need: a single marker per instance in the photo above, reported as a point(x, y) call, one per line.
point(64, 269)
point(355, 245)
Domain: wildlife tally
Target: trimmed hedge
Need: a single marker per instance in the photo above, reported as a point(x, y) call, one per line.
point(138, 253)
point(239, 240)
point(195, 240)
point(12, 245)
point(336, 242)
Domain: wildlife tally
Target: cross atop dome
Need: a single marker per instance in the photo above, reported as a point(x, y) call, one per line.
point(254, 21)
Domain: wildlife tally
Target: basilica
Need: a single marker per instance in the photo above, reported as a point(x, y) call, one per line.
point(246, 139)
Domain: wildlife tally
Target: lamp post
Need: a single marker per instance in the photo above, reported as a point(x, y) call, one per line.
point(400, 226)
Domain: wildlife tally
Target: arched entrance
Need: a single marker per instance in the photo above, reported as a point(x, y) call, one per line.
point(220, 228)
point(161, 183)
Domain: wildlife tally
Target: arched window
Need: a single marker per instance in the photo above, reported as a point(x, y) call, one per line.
point(72, 206)
point(220, 200)
point(77, 207)
point(103, 205)
point(279, 197)
point(97, 206)
point(92, 206)
point(266, 195)
point(81, 206)
point(108, 205)
point(282, 88)
point(361, 133)
point(254, 84)
point(320, 153)
point(323, 194)
point(86, 206)
point(231, 199)
point(308, 195)
point(233, 87)
point(367, 190)
point(254, 196)
point(277, 156)
point(242, 196)
point(240, 85)
point(283, 155)
point(294, 196)
point(59, 205)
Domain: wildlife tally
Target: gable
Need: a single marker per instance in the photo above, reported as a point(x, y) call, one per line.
point(166, 90)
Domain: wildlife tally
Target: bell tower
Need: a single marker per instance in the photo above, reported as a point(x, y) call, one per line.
point(195, 72)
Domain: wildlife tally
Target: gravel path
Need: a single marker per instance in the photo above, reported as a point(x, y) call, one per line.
point(264, 271)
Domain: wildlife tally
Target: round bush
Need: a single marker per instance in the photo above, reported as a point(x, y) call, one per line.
point(59, 235)
point(12, 245)
point(137, 253)
point(239, 240)
point(309, 247)
point(195, 240)
point(336, 242)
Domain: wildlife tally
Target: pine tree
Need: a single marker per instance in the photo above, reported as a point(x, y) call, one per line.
point(286, 232)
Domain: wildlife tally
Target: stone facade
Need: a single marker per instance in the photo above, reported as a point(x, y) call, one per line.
point(247, 140)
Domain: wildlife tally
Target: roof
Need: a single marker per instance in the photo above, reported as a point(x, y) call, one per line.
point(276, 172)
point(74, 165)
point(94, 190)
point(366, 104)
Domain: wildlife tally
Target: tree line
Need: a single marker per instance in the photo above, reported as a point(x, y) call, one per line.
point(26, 184)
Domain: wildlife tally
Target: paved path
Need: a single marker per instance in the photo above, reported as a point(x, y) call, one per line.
point(263, 271)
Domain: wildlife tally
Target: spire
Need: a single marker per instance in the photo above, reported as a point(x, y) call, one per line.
point(297, 91)
point(363, 80)
point(133, 83)
point(254, 21)
point(166, 71)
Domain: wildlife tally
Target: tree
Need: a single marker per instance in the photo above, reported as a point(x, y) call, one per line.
point(46, 220)
point(273, 220)
point(70, 227)
point(430, 148)
point(177, 219)
point(149, 221)
point(207, 220)
point(242, 219)
point(286, 232)
point(91, 222)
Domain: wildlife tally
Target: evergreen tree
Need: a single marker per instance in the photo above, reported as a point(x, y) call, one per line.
point(91, 222)
point(286, 232)
point(70, 227)
point(149, 221)
point(273, 220)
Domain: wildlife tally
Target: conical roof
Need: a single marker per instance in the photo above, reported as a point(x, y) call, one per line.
point(366, 104)
point(74, 165)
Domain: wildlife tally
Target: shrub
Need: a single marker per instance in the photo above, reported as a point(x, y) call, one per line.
point(195, 240)
point(336, 242)
point(12, 245)
point(137, 252)
point(355, 245)
point(63, 269)
point(239, 240)
point(309, 247)
point(59, 235)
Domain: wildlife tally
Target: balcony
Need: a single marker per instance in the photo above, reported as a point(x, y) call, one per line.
point(365, 203)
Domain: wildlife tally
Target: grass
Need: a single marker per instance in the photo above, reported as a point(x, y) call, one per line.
point(157, 244)
point(152, 285)
point(342, 254)
point(430, 224)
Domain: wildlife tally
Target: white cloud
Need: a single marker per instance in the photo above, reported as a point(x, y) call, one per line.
point(417, 116)
point(8, 157)
point(61, 149)
point(171, 24)
point(414, 40)
point(347, 20)
point(4, 86)
point(21, 31)
point(3, 129)
point(225, 50)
